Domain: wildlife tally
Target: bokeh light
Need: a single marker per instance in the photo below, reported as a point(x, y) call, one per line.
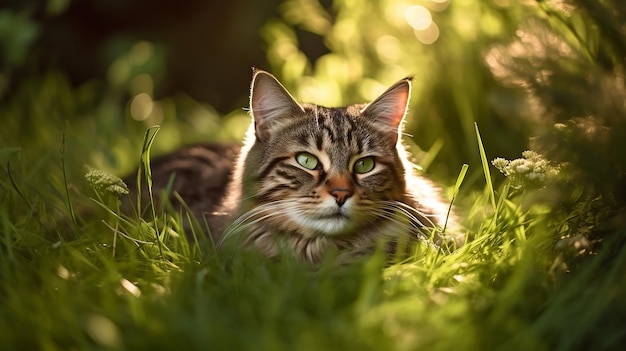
point(388, 48)
point(428, 35)
point(141, 106)
point(418, 17)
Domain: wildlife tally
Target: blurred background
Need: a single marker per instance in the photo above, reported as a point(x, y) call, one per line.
point(200, 48)
point(90, 76)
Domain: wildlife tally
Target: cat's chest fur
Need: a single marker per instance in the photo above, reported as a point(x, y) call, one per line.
point(311, 179)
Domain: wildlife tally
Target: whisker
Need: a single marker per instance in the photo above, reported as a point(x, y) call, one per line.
point(261, 213)
point(405, 219)
point(409, 210)
point(383, 213)
point(418, 221)
point(410, 226)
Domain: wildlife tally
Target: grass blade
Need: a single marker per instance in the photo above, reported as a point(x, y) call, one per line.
point(145, 165)
point(70, 207)
point(457, 186)
point(16, 188)
point(483, 160)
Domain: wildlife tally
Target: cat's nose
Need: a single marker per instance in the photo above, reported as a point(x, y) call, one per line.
point(341, 195)
point(340, 187)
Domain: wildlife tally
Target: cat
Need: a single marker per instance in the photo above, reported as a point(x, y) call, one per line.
point(196, 174)
point(310, 180)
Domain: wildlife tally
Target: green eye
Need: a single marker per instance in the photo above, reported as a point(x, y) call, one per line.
point(307, 160)
point(364, 165)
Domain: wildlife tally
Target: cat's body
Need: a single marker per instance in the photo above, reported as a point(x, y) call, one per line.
point(197, 174)
point(311, 179)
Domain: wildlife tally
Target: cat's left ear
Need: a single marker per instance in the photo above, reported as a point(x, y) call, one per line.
point(389, 109)
point(270, 103)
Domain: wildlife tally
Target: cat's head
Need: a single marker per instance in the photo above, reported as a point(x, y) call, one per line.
point(319, 171)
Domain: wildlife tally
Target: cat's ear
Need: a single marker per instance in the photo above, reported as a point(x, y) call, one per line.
point(388, 110)
point(270, 103)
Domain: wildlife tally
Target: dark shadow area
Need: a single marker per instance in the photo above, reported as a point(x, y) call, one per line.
point(208, 46)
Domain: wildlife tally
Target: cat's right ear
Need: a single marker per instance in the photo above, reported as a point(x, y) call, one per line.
point(389, 109)
point(270, 103)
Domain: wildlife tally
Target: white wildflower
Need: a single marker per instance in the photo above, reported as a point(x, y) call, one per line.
point(530, 170)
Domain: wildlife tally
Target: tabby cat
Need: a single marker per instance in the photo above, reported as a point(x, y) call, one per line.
point(310, 179)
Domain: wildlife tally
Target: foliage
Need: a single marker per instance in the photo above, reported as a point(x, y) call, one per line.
point(440, 43)
point(568, 62)
point(544, 264)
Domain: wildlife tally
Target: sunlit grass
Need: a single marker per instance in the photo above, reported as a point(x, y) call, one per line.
point(77, 273)
point(122, 283)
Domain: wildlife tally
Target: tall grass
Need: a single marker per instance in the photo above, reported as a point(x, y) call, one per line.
point(496, 292)
point(86, 276)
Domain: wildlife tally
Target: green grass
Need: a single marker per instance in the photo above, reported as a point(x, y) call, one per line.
point(83, 276)
point(75, 274)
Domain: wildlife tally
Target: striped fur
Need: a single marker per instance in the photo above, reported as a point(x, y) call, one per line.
point(282, 206)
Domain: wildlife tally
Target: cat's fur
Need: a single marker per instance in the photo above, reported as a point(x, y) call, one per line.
point(197, 174)
point(311, 179)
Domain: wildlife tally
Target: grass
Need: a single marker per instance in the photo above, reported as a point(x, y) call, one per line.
point(98, 280)
point(75, 274)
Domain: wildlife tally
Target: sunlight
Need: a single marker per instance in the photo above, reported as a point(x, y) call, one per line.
point(428, 35)
point(418, 17)
point(141, 106)
point(421, 20)
point(103, 331)
point(130, 287)
point(388, 48)
point(63, 272)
